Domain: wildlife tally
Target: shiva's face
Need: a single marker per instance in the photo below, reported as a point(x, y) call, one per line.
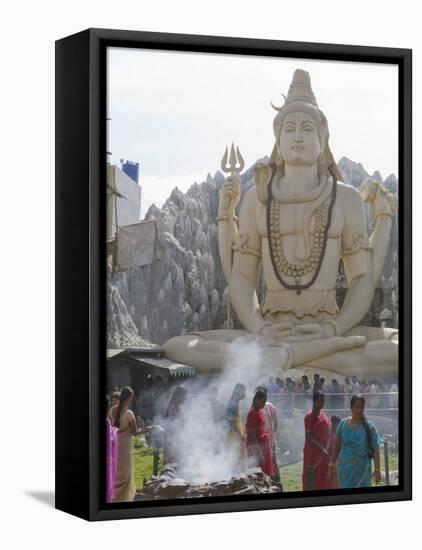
point(299, 142)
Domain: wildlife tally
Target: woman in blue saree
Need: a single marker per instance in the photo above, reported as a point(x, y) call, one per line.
point(356, 447)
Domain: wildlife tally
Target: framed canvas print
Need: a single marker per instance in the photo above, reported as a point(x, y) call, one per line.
point(233, 274)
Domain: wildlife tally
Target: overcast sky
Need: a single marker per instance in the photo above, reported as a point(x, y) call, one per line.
point(174, 113)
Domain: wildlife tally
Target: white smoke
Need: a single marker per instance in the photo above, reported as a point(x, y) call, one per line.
point(199, 441)
point(248, 362)
point(201, 452)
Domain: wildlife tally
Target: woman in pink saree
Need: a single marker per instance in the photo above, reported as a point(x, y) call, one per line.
point(111, 456)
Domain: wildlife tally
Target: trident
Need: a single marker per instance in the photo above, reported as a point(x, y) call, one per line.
point(234, 167)
point(236, 162)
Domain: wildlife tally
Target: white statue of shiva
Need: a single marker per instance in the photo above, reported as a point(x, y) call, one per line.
point(299, 220)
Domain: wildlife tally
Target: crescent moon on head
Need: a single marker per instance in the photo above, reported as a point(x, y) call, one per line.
point(279, 108)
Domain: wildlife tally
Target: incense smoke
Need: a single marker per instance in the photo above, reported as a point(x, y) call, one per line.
point(199, 440)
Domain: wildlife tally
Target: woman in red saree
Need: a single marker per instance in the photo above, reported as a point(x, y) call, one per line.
point(257, 435)
point(316, 449)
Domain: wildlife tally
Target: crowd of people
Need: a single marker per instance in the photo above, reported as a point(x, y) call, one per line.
point(290, 394)
point(338, 452)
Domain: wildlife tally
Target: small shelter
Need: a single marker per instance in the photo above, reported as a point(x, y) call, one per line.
point(134, 367)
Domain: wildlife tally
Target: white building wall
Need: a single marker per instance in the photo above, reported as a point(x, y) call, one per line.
point(129, 207)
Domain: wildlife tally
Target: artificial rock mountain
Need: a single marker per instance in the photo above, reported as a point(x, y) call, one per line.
point(184, 289)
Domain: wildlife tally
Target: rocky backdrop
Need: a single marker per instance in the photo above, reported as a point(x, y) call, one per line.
point(184, 288)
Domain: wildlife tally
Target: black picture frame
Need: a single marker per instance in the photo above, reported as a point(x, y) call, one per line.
point(80, 276)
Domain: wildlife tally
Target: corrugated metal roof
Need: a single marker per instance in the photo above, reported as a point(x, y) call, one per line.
point(153, 350)
point(176, 369)
point(113, 352)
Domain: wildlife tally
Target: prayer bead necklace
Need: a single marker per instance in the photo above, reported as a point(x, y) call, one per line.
point(280, 264)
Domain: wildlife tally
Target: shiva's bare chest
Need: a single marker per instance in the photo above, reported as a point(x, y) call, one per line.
point(295, 219)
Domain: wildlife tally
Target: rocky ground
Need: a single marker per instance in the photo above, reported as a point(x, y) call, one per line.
point(168, 486)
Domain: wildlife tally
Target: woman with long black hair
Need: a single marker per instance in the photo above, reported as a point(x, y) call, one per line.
point(125, 422)
point(258, 436)
point(235, 434)
point(356, 448)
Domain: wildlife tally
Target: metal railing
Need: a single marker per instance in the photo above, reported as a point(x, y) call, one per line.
point(302, 401)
